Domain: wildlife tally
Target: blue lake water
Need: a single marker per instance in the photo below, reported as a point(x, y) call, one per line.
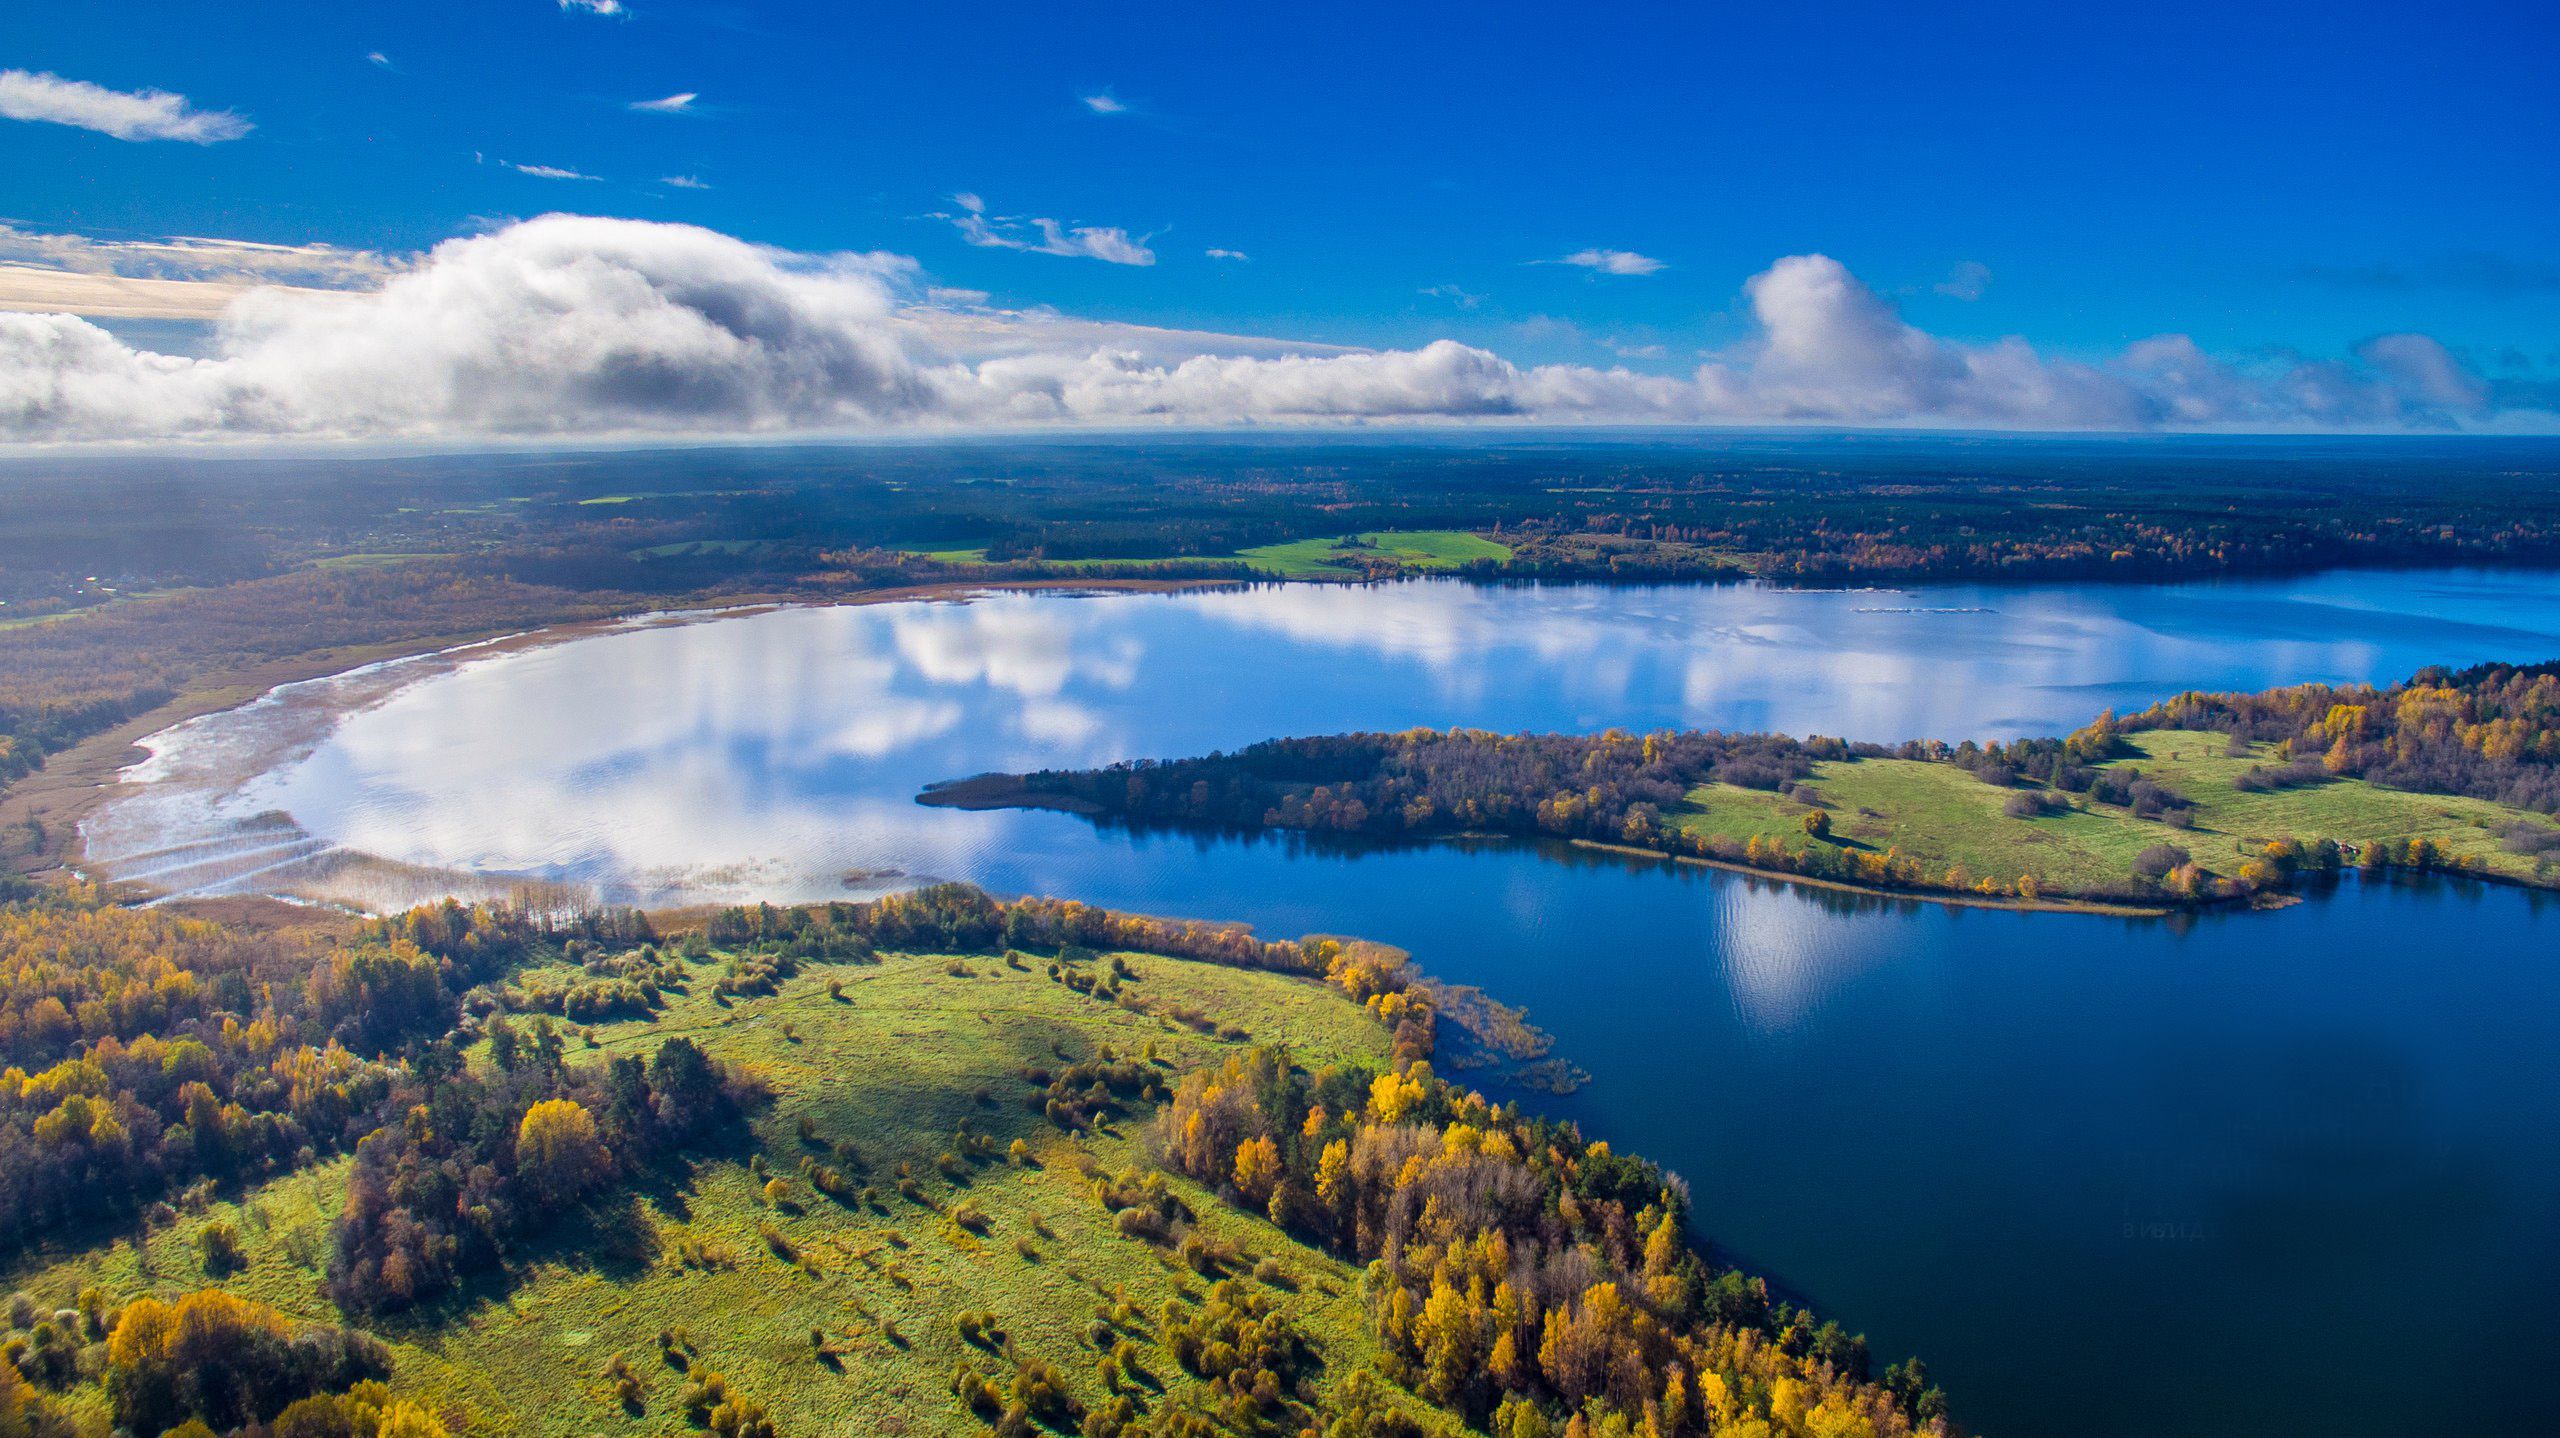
point(2251, 1173)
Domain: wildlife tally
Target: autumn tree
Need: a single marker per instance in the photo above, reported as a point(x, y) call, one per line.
point(558, 1152)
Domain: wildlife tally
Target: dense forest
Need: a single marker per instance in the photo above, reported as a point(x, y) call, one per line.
point(1533, 1282)
point(2489, 733)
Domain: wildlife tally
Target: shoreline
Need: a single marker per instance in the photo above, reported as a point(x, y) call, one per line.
point(2099, 908)
point(1005, 791)
point(74, 781)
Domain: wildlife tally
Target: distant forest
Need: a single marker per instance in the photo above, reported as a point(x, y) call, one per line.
point(123, 581)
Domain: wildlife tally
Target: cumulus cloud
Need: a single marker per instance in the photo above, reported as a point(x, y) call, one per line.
point(680, 103)
point(568, 325)
point(125, 114)
point(1613, 262)
point(1041, 236)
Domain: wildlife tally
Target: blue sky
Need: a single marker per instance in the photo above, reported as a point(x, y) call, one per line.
point(2264, 179)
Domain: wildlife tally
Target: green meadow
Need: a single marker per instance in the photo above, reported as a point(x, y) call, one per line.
point(1333, 558)
point(840, 1314)
point(1423, 549)
point(1943, 816)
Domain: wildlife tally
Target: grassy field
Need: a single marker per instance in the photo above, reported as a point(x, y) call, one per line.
point(1417, 549)
point(1412, 548)
point(979, 556)
point(912, 1047)
point(698, 546)
point(1942, 816)
point(371, 560)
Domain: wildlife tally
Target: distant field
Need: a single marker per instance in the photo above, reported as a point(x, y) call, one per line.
point(1942, 816)
point(698, 546)
point(1421, 549)
point(979, 556)
point(1413, 548)
point(369, 561)
point(913, 1048)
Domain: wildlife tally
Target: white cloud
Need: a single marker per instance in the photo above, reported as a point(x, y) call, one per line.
point(1453, 295)
point(685, 182)
point(547, 172)
point(187, 257)
point(593, 7)
point(1105, 103)
point(959, 325)
point(568, 325)
point(1042, 236)
point(378, 58)
point(1218, 254)
point(680, 103)
point(177, 278)
point(1968, 281)
point(1613, 262)
point(125, 114)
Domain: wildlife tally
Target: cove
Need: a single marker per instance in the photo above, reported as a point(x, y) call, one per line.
point(2251, 1173)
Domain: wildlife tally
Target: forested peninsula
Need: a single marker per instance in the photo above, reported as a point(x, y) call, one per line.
point(466, 1170)
point(2202, 799)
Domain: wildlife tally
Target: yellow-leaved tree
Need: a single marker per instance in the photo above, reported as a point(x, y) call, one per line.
point(558, 1153)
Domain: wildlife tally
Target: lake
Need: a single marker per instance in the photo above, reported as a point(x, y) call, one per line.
point(2239, 1174)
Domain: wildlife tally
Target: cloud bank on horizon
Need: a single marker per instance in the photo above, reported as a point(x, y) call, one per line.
point(571, 326)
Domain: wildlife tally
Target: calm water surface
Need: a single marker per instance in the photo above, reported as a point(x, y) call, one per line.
point(2258, 1173)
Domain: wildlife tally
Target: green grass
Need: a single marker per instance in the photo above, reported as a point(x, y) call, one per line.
point(1943, 816)
point(893, 1065)
point(1413, 548)
point(966, 557)
point(368, 561)
point(698, 546)
point(1421, 549)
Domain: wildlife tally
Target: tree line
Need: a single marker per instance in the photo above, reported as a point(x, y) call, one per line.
point(2490, 732)
point(1535, 1283)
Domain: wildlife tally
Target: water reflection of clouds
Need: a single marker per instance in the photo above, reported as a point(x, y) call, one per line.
point(1014, 642)
point(780, 749)
point(1786, 955)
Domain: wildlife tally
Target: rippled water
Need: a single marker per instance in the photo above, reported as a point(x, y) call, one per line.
point(2256, 1173)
